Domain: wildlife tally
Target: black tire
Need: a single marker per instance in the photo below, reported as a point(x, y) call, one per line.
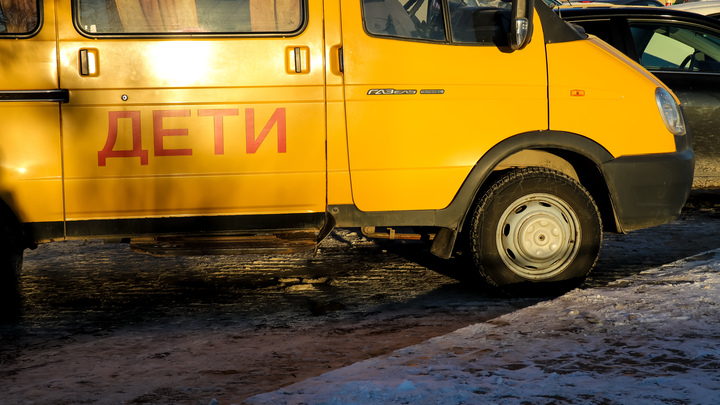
point(11, 259)
point(557, 219)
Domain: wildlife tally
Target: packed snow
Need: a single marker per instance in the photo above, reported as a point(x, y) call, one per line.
point(648, 339)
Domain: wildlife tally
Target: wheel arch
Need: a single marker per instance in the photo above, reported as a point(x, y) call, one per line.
point(569, 153)
point(575, 165)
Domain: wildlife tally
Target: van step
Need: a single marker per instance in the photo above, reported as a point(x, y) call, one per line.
point(289, 242)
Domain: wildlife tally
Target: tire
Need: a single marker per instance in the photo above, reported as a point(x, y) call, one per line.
point(11, 259)
point(553, 216)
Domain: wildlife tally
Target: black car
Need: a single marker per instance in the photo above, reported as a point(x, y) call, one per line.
point(683, 50)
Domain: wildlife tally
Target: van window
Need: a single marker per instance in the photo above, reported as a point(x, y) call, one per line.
point(189, 16)
point(417, 19)
point(471, 21)
point(478, 21)
point(18, 16)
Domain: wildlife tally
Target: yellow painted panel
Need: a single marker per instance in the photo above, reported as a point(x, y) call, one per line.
point(30, 166)
point(36, 55)
point(339, 188)
point(190, 195)
point(338, 177)
point(428, 187)
point(182, 63)
point(594, 93)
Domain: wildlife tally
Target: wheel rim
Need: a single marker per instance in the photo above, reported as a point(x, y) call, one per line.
point(538, 236)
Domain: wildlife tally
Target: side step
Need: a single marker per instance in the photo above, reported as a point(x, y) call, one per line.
point(391, 234)
point(288, 242)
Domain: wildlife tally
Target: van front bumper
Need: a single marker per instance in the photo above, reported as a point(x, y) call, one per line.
point(649, 190)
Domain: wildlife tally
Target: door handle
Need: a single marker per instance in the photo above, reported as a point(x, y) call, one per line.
point(297, 59)
point(336, 60)
point(88, 61)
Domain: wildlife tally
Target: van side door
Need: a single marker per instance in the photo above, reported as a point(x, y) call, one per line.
point(193, 115)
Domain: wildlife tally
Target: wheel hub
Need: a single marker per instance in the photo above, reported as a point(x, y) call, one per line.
point(537, 236)
point(540, 237)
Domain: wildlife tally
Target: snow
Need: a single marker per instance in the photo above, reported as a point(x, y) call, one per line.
point(648, 339)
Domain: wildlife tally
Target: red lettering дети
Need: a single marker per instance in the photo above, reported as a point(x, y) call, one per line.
point(218, 126)
point(136, 151)
point(159, 132)
point(253, 143)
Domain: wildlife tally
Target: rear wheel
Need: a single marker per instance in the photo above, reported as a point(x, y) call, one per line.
point(11, 259)
point(535, 225)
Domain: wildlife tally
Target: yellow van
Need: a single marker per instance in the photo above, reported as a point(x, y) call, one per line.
point(229, 126)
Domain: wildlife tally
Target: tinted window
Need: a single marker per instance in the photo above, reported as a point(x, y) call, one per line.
point(189, 16)
point(479, 21)
point(422, 19)
point(18, 16)
point(663, 46)
point(471, 21)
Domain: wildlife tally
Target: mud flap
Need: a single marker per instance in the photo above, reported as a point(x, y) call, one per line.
point(444, 243)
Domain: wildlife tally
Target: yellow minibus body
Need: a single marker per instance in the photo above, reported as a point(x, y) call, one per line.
point(208, 126)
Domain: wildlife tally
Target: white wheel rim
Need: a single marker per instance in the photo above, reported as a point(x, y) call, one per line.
point(538, 236)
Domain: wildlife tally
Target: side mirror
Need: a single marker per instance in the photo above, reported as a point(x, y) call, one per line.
point(521, 23)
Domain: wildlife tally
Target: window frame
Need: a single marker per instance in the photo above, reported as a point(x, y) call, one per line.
point(304, 14)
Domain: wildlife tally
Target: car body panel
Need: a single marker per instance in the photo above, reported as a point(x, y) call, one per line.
point(573, 105)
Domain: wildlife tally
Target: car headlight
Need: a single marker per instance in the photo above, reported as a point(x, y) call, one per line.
point(670, 111)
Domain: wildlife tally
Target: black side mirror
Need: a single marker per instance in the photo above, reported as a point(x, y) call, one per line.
point(521, 23)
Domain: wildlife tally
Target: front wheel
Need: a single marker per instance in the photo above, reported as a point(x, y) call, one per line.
point(535, 225)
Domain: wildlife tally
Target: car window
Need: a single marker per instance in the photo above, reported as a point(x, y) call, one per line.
point(664, 46)
point(18, 17)
point(189, 16)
